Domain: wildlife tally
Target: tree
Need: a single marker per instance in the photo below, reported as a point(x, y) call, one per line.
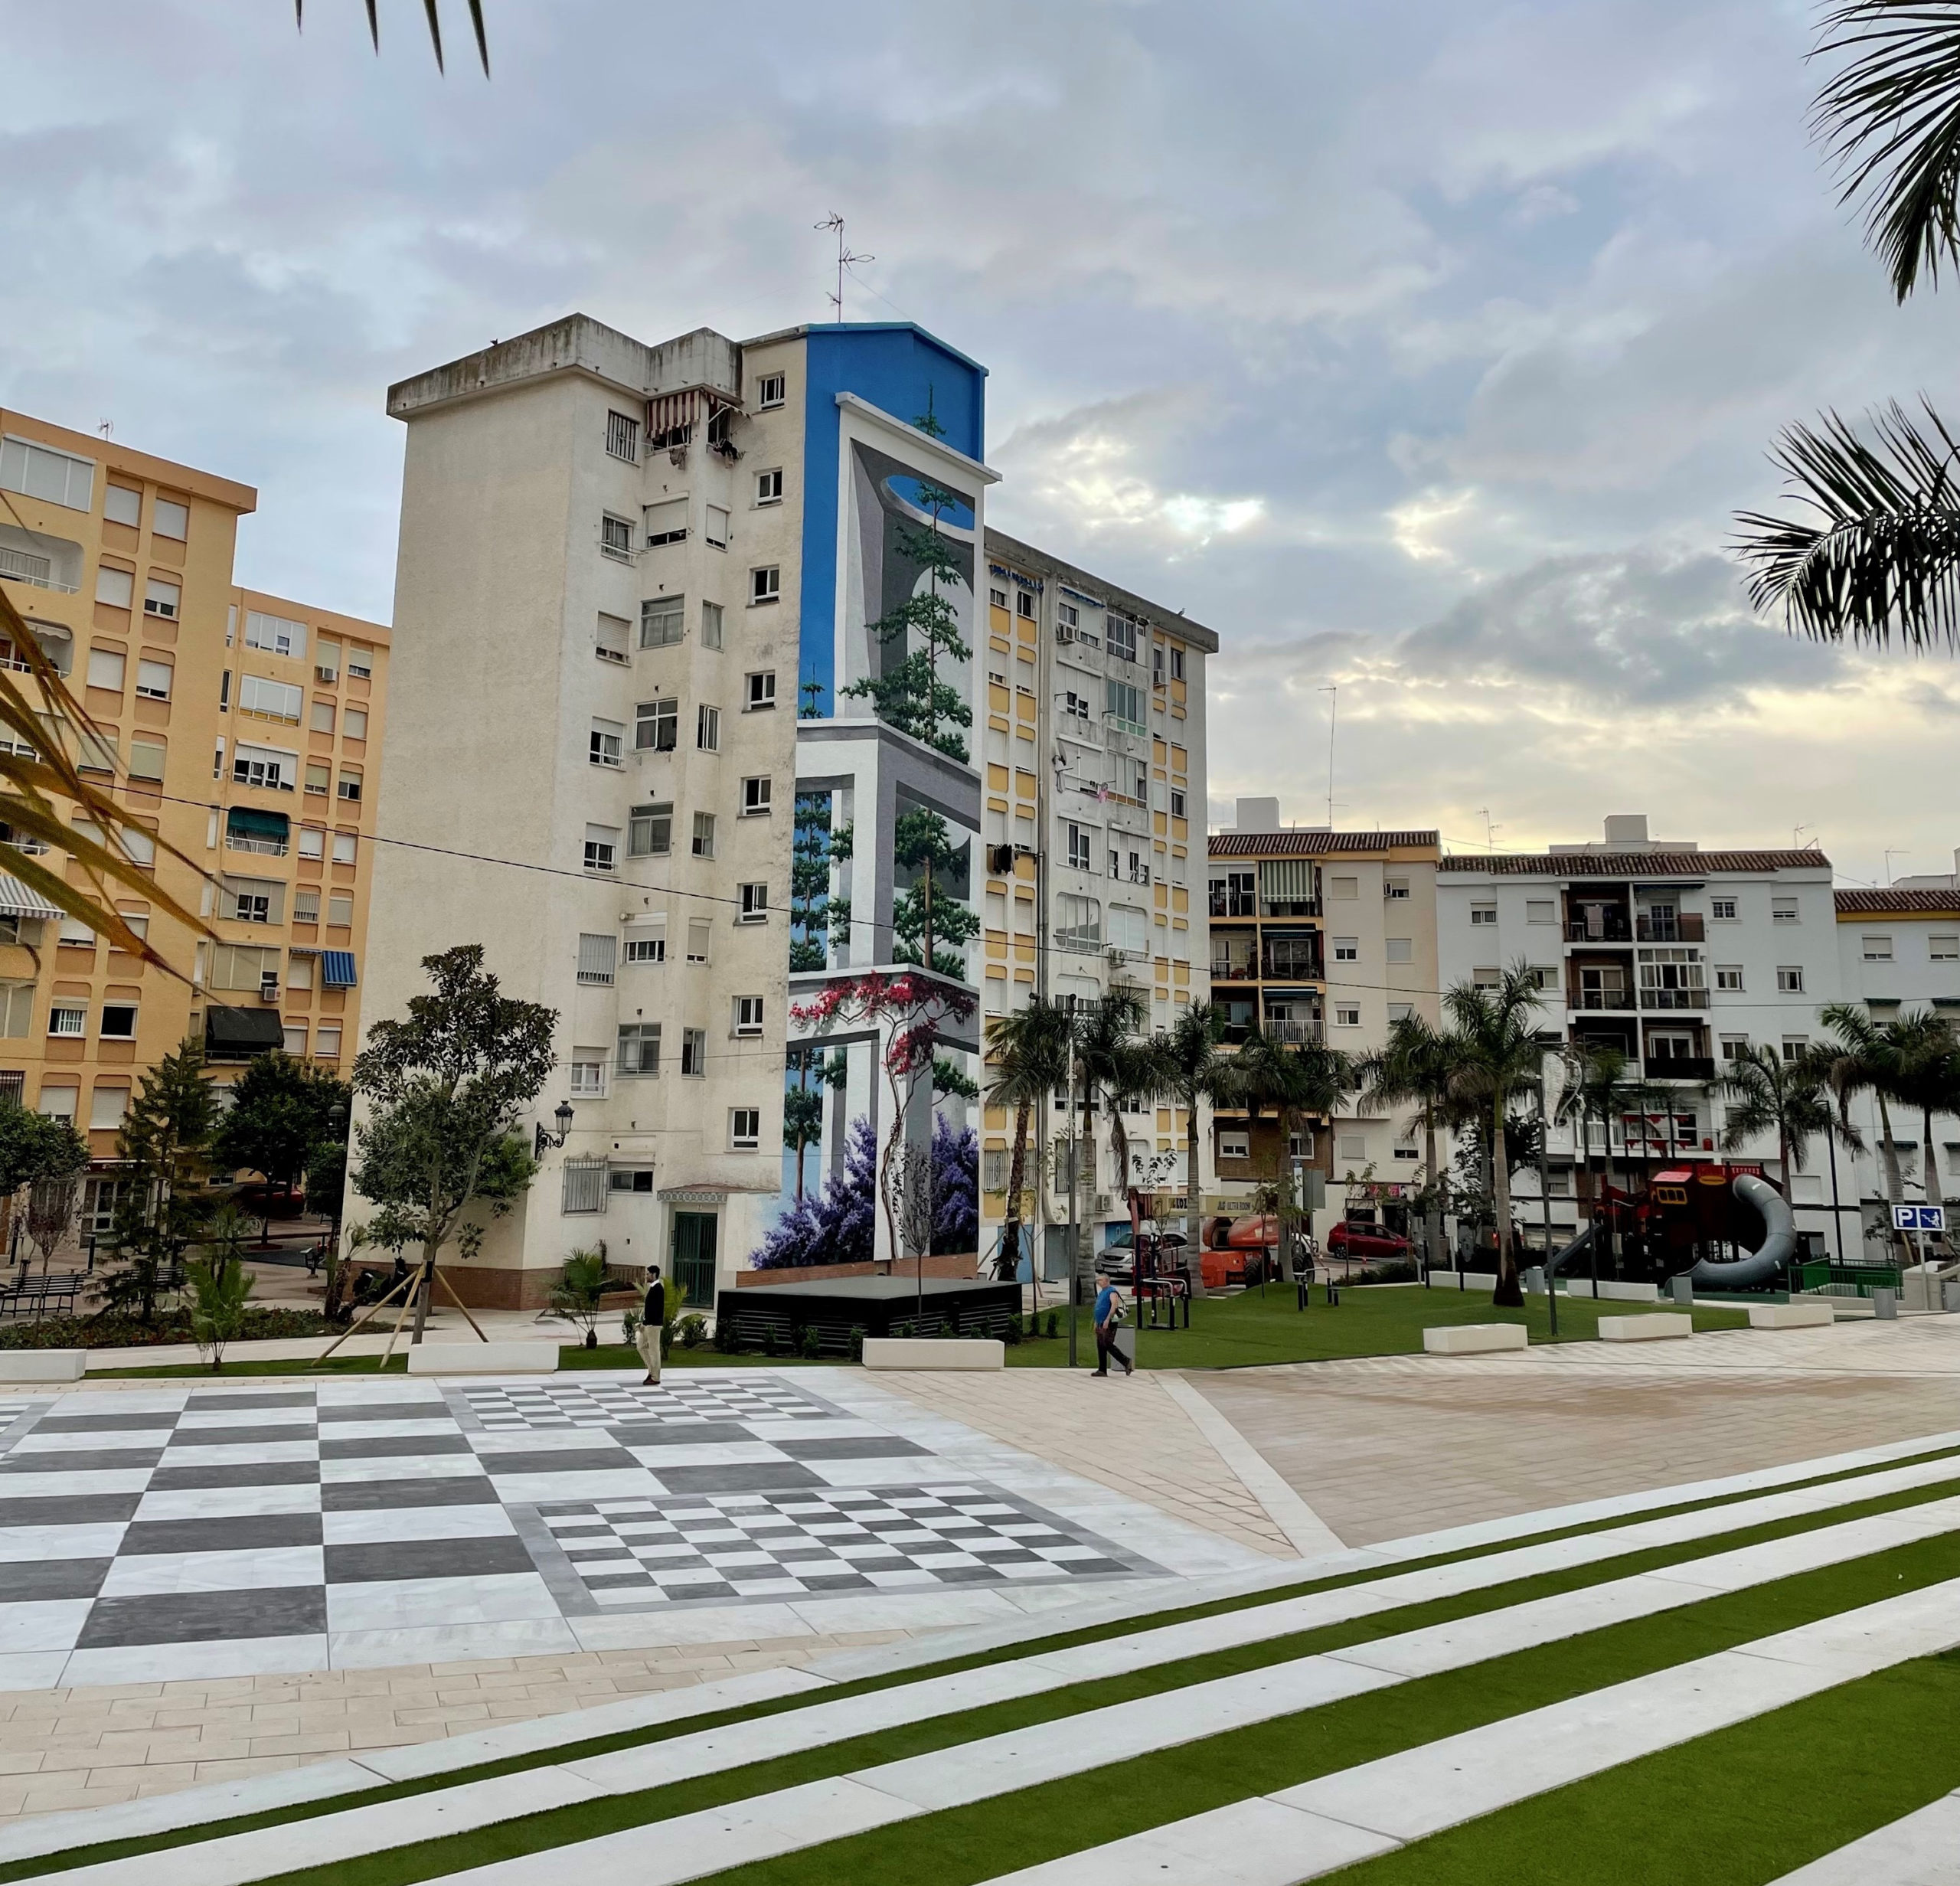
point(1295, 1080)
point(576, 1296)
point(840, 1226)
point(955, 1155)
point(1862, 1058)
point(1875, 546)
point(221, 1286)
point(803, 1104)
point(1596, 1087)
point(1764, 1093)
point(921, 918)
point(1416, 1069)
point(1925, 1075)
point(282, 1112)
point(34, 1148)
point(1112, 1062)
point(446, 1084)
point(164, 1141)
point(1501, 1056)
point(1195, 1070)
point(814, 850)
point(1028, 1050)
point(326, 1181)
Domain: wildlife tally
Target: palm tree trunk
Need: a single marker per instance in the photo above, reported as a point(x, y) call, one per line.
point(1895, 1188)
point(1933, 1191)
point(1507, 1291)
point(1433, 1217)
point(1017, 1177)
point(1606, 1131)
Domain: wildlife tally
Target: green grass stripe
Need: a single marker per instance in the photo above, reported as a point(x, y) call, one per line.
point(1386, 1623)
point(1740, 1807)
point(958, 1845)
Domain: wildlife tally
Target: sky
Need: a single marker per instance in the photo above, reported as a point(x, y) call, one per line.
point(1423, 351)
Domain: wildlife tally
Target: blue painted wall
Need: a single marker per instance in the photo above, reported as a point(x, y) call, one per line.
point(894, 366)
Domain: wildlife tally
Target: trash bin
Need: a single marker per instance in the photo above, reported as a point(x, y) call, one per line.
point(1681, 1289)
point(1950, 1295)
point(1885, 1304)
point(1534, 1280)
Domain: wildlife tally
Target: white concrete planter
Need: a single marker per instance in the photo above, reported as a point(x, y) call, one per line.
point(42, 1364)
point(960, 1352)
point(483, 1358)
point(1659, 1328)
point(1790, 1316)
point(1473, 1339)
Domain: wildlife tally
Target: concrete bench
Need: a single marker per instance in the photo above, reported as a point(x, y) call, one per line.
point(483, 1358)
point(1473, 1339)
point(934, 1352)
point(1612, 1293)
point(1645, 1328)
point(1790, 1316)
point(42, 1364)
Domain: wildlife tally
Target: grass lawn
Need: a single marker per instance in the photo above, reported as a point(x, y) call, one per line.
point(1373, 1319)
point(615, 1355)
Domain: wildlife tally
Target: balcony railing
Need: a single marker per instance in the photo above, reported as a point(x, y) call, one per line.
point(1234, 969)
point(1304, 1034)
point(1673, 998)
point(1233, 903)
point(1615, 929)
point(1289, 906)
point(1612, 999)
point(266, 848)
point(1680, 1067)
point(20, 566)
point(1685, 927)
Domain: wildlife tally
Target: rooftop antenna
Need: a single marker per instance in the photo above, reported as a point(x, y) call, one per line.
point(1889, 857)
point(105, 427)
point(1332, 691)
point(1797, 837)
point(844, 259)
point(1490, 831)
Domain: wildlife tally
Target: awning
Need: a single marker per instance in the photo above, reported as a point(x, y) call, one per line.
point(16, 900)
point(232, 1034)
point(1286, 879)
point(337, 969)
point(256, 824)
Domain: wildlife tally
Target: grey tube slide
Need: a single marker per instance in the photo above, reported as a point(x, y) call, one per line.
point(1583, 1242)
point(1765, 1264)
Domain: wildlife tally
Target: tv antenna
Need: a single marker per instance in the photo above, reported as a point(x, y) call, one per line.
point(1490, 831)
point(1332, 691)
point(844, 259)
point(106, 427)
point(1889, 857)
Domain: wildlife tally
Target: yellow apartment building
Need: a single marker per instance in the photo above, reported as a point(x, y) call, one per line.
point(241, 729)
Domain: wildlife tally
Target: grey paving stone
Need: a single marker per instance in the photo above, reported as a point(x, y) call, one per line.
point(193, 1617)
point(241, 1436)
point(738, 1477)
point(80, 1460)
point(22, 1579)
point(560, 1460)
point(208, 1401)
point(91, 1423)
point(78, 1509)
point(361, 1496)
point(352, 1412)
point(680, 1434)
point(246, 1473)
point(426, 1558)
point(847, 1447)
point(241, 1533)
point(377, 1446)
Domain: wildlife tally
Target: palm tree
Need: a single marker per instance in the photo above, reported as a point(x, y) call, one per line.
point(1028, 1050)
point(1763, 1092)
point(1194, 1072)
point(1416, 1069)
point(1502, 1056)
point(1863, 1059)
point(1926, 1075)
point(434, 27)
point(1878, 547)
point(1294, 1080)
point(1597, 1088)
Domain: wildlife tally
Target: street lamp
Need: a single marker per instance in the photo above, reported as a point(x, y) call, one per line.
point(563, 1117)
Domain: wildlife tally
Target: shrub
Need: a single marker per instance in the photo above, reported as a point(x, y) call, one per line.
point(812, 1344)
point(726, 1339)
point(1010, 1334)
point(692, 1330)
point(1054, 1325)
point(771, 1342)
point(858, 1334)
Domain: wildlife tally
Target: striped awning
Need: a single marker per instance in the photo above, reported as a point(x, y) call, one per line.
point(337, 969)
point(16, 900)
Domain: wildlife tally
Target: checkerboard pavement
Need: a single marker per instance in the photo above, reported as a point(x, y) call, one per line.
point(305, 1524)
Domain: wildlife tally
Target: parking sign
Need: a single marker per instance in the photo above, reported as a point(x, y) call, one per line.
point(1918, 1217)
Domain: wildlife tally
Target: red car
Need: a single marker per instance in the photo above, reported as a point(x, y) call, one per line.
point(1354, 1238)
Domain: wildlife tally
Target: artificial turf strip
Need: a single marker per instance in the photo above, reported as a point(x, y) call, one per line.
point(974, 1843)
point(1387, 1623)
point(1740, 1807)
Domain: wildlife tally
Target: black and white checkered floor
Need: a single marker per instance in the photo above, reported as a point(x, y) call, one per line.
point(395, 1521)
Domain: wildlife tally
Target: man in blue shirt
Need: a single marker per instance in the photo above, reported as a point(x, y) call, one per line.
point(1109, 1316)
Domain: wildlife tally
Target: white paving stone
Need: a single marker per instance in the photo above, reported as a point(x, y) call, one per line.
point(1921, 1849)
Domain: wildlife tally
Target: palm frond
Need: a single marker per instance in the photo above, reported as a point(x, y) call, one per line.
point(434, 27)
point(1891, 120)
point(1882, 554)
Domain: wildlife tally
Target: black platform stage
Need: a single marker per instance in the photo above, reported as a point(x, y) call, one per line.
point(835, 1308)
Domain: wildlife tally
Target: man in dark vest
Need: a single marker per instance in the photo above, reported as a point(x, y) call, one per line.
point(653, 1318)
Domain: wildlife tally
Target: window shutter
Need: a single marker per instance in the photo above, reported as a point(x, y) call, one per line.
point(597, 956)
point(1286, 879)
point(666, 522)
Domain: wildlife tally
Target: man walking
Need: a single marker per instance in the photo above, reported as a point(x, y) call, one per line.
point(1108, 1318)
point(653, 1318)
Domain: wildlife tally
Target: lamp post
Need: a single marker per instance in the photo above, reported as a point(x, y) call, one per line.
point(563, 1118)
point(1545, 1200)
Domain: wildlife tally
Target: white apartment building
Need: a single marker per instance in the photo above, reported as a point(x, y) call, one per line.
point(633, 595)
point(1095, 755)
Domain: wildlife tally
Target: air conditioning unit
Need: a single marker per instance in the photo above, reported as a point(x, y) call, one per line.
point(269, 985)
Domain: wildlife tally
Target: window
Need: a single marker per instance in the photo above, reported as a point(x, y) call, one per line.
point(121, 505)
point(299, 969)
point(597, 954)
point(1783, 910)
point(1156, 665)
point(716, 528)
point(622, 437)
point(1176, 662)
point(106, 668)
point(1400, 1011)
point(651, 947)
point(313, 841)
point(756, 796)
point(162, 598)
point(353, 723)
point(1024, 604)
point(349, 790)
point(95, 753)
point(657, 726)
point(170, 519)
point(326, 660)
point(762, 691)
point(1402, 950)
point(118, 1022)
point(305, 906)
point(1347, 1014)
point(765, 585)
point(16, 1011)
point(1729, 975)
point(1943, 949)
point(1486, 975)
point(360, 663)
point(693, 1053)
point(75, 934)
point(1396, 891)
point(748, 1014)
point(1734, 1047)
point(1878, 949)
point(1234, 1143)
point(771, 390)
point(611, 639)
point(1081, 847)
point(153, 680)
point(711, 625)
point(745, 1128)
point(1483, 916)
point(326, 1041)
point(708, 728)
point(588, 1073)
point(649, 831)
point(1723, 910)
point(601, 847)
point(1790, 979)
point(1120, 637)
point(639, 1048)
point(340, 911)
point(274, 634)
point(584, 1187)
point(1177, 802)
point(1344, 887)
point(666, 522)
point(276, 700)
point(1346, 949)
point(1541, 911)
point(604, 743)
point(322, 721)
point(755, 903)
point(701, 932)
point(1076, 706)
point(703, 839)
point(998, 597)
point(1795, 1046)
point(268, 767)
point(251, 900)
point(295, 1043)
point(616, 539)
point(1123, 702)
point(57, 1100)
point(65, 1018)
point(1078, 923)
point(319, 777)
point(768, 488)
point(115, 587)
point(37, 471)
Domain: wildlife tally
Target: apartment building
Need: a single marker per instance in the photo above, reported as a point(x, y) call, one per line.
point(1321, 936)
point(1094, 756)
point(239, 728)
point(650, 596)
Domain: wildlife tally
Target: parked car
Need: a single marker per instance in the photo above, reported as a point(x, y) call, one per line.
point(1359, 1238)
point(263, 1200)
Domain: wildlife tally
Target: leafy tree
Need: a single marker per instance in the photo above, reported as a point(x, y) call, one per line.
point(326, 1180)
point(446, 1084)
point(815, 850)
point(35, 1148)
point(1597, 1086)
point(1863, 1058)
point(1925, 1076)
point(1764, 1093)
point(221, 1286)
point(922, 918)
point(282, 1112)
point(164, 1141)
point(1028, 1051)
point(955, 1156)
point(840, 1226)
point(949, 1079)
point(1194, 1072)
point(803, 1104)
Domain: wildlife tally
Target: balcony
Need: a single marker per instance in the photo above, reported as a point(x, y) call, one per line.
point(1302, 1034)
point(1685, 927)
point(1680, 1067)
point(1673, 998)
point(264, 847)
point(1617, 1000)
point(1614, 929)
point(1289, 906)
point(1233, 903)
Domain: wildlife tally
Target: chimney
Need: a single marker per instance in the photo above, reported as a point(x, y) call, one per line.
point(1257, 814)
point(1626, 831)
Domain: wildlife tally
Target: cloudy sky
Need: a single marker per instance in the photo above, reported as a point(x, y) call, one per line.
point(1421, 348)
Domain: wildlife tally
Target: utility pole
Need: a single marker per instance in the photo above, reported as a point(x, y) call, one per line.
point(844, 258)
point(1545, 1195)
point(1075, 1182)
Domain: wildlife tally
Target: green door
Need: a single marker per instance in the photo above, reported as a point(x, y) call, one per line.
point(694, 1257)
